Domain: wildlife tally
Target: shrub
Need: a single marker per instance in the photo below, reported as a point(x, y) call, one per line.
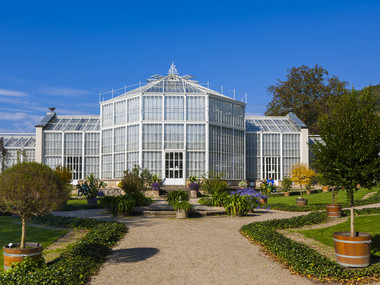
point(286, 184)
point(175, 196)
point(213, 183)
point(242, 201)
point(78, 262)
point(125, 204)
point(183, 205)
point(136, 180)
point(30, 188)
point(243, 184)
point(91, 187)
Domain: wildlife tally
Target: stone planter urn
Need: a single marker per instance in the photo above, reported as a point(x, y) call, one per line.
point(193, 193)
point(181, 214)
point(92, 201)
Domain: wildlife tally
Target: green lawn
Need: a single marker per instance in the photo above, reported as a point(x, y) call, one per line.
point(10, 229)
point(320, 198)
point(368, 224)
point(77, 202)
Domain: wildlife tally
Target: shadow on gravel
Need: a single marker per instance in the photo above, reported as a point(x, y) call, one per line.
point(132, 254)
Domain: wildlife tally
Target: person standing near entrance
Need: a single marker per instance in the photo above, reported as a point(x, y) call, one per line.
point(270, 185)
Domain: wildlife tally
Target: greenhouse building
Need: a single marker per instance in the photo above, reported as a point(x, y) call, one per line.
point(174, 127)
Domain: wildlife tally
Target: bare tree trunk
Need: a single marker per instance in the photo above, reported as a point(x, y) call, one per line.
point(301, 190)
point(23, 231)
point(352, 215)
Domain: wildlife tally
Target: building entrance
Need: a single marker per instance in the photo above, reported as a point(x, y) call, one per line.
point(174, 168)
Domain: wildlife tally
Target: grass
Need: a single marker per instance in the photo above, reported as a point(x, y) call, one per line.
point(77, 202)
point(10, 229)
point(368, 224)
point(320, 198)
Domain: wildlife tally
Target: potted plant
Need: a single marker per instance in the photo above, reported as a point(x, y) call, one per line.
point(106, 202)
point(183, 208)
point(29, 189)
point(156, 189)
point(348, 156)
point(286, 185)
point(303, 175)
point(193, 187)
point(179, 201)
point(91, 189)
point(243, 184)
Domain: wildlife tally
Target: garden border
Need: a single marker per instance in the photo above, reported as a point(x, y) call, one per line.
point(80, 260)
point(300, 258)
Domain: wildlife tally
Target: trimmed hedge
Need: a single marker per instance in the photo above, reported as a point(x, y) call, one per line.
point(316, 207)
point(78, 262)
point(299, 257)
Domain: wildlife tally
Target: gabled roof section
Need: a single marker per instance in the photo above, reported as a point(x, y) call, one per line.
point(172, 83)
point(19, 141)
point(49, 116)
point(270, 124)
point(296, 120)
point(74, 123)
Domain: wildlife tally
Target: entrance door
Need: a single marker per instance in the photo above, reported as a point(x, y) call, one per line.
point(174, 168)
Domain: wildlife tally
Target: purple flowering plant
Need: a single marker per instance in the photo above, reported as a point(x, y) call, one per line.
point(156, 186)
point(194, 186)
point(240, 202)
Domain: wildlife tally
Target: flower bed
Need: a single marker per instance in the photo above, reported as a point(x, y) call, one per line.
point(301, 259)
point(78, 262)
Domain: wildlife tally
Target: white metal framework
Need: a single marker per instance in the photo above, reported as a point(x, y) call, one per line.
point(274, 145)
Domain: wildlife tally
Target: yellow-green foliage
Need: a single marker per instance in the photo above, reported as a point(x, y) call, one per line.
point(302, 174)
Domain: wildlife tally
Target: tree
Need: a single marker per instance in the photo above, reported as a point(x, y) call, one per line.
point(305, 91)
point(28, 189)
point(3, 152)
point(349, 154)
point(302, 174)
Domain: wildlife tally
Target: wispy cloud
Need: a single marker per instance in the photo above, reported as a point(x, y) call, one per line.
point(19, 122)
point(58, 91)
point(12, 93)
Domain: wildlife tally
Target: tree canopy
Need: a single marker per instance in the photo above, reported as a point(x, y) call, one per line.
point(349, 154)
point(305, 91)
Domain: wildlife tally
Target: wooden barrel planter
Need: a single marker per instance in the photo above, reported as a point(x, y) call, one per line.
point(308, 192)
point(352, 251)
point(325, 188)
point(286, 194)
point(301, 202)
point(334, 210)
point(16, 254)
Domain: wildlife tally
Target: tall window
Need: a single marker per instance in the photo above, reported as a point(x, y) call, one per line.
point(133, 137)
point(119, 139)
point(152, 136)
point(107, 115)
point(174, 136)
point(107, 141)
point(238, 116)
point(152, 108)
point(195, 137)
point(120, 112)
point(195, 108)
point(174, 108)
point(133, 105)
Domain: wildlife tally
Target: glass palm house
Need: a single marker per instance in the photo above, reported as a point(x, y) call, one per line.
point(174, 127)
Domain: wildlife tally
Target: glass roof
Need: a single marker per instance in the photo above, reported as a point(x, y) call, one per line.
point(270, 124)
point(19, 140)
point(74, 123)
point(172, 83)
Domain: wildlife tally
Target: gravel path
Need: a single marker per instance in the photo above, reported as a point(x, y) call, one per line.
point(207, 250)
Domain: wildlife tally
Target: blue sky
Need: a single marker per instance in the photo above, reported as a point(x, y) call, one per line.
point(62, 53)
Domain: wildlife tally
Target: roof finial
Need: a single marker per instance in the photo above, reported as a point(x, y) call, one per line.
point(172, 69)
